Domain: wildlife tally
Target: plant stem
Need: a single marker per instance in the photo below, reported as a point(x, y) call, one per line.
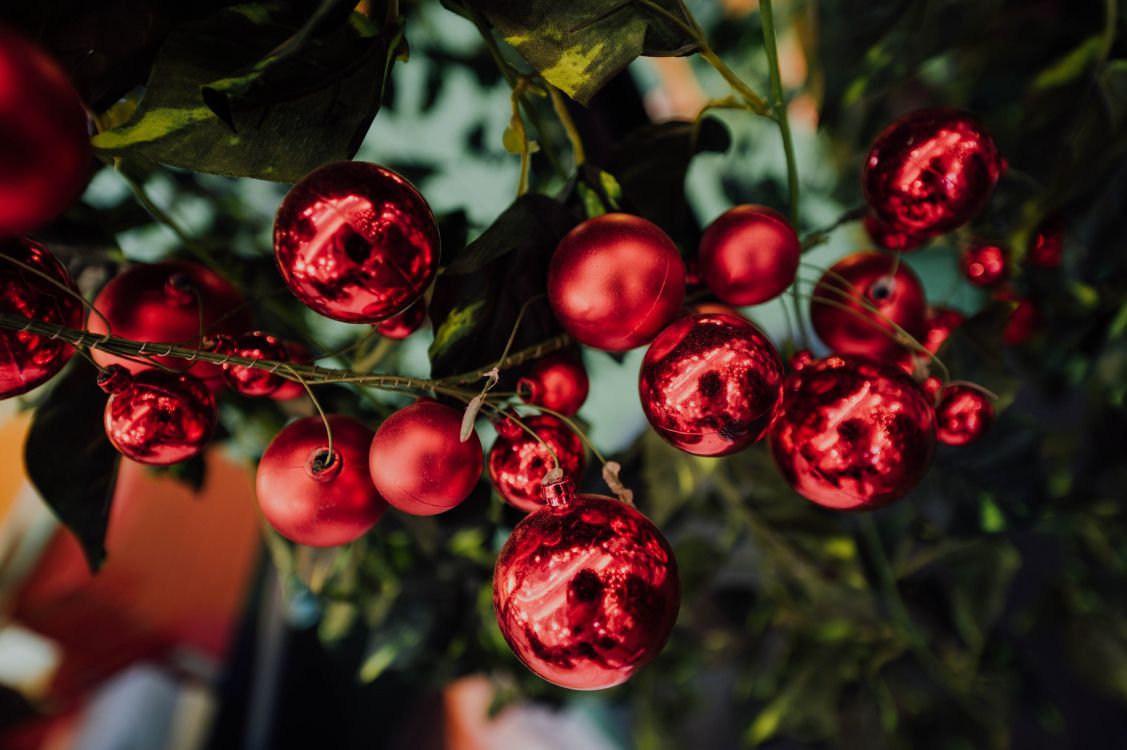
point(779, 106)
point(568, 124)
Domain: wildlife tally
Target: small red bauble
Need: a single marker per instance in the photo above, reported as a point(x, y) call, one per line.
point(711, 384)
point(801, 358)
point(157, 417)
point(419, 463)
point(890, 238)
point(749, 255)
point(558, 382)
point(356, 242)
point(854, 434)
point(28, 360)
point(931, 171)
point(868, 277)
point(45, 148)
point(518, 461)
point(939, 322)
point(291, 389)
point(1022, 323)
point(313, 496)
point(585, 590)
point(615, 281)
point(964, 414)
point(403, 324)
point(1047, 247)
point(253, 381)
point(984, 264)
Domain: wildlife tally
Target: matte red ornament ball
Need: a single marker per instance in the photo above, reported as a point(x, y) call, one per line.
point(157, 417)
point(45, 146)
point(291, 389)
point(402, 325)
point(939, 322)
point(854, 434)
point(420, 464)
point(253, 381)
point(316, 496)
point(356, 242)
point(964, 415)
point(1047, 248)
point(984, 264)
point(891, 238)
point(585, 590)
point(558, 382)
point(749, 255)
point(26, 359)
point(615, 281)
point(711, 384)
point(518, 461)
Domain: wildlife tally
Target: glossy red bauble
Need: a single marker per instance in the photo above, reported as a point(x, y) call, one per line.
point(291, 389)
point(518, 461)
point(984, 264)
point(1047, 247)
point(749, 255)
point(157, 417)
point(585, 590)
point(615, 281)
point(45, 146)
point(939, 322)
point(558, 382)
point(931, 171)
point(854, 434)
point(711, 384)
point(28, 360)
point(890, 238)
point(868, 278)
point(402, 325)
point(356, 242)
point(419, 463)
point(253, 381)
point(964, 415)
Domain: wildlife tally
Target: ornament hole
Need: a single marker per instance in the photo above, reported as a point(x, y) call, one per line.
point(882, 289)
point(323, 464)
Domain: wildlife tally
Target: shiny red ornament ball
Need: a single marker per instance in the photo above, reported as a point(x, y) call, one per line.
point(419, 463)
point(711, 384)
point(931, 171)
point(1022, 323)
point(253, 381)
point(26, 359)
point(558, 382)
point(890, 238)
point(868, 278)
point(1047, 247)
point(939, 322)
point(314, 496)
point(291, 389)
point(984, 264)
point(402, 325)
point(45, 144)
point(854, 434)
point(157, 417)
point(964, 415)
point(615, 281)
point(585, 590)
point(749, 255)
point(518, 461)
point(356, 242)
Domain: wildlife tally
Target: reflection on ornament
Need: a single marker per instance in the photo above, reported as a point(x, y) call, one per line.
point(157, 417)
point(892, 239)
point(964, 415)
point(983, 264)
point(938, 324)
point(402, 325)
point(253, 381)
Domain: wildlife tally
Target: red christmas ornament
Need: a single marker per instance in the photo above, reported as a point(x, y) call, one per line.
point(585, 590)
point(801, 358)
point(615, 281)
point(1047, 247)
point(749, 255)
point(715, 308)
point(558, 382)
point(1022, 323)
point(45, 148)
point(518, 461)
point(938, 324)
point(892, 239)
point(356, 242)
point(314, 496)
point(932, 385)
point(854, 434)
point(253, 381)
point(868, 277)
point(291, 389)
point(931, 171)
point(157, 417)
point(711, 384)
point(964, 415)
point(28, 360)
point(419, 463)
point(403, 324)
point(983, 264)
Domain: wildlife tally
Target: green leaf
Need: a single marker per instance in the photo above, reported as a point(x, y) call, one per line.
point(1070, 67)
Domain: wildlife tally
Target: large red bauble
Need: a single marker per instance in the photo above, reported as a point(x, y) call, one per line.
point(749, 255)
point(28, 360)
point(615, 281)
point(585, 590)
point(356, 242)
point(854, 434)
point(868, 277)
point(157, 417)
point(964, 415)
point(419, 463)
point(558, 382)
point(931, 171)
point(939, 322)
point(402, 325)
point(891, 238)
point(44, 146)
point(253, 381)
point(984, 264)
point(312, 496)
point(518, 461)
point(711, 384)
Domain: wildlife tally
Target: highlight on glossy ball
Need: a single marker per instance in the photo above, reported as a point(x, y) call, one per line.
point(711, 384)
point(558, 382)
point(518, 461)
point(157, 417)
point(854, 434)
point(749, 255)
point(984, 264)
point(939, 322)
point(964, 415)
point(891, 238)
point(356, 242)
point(401, 325)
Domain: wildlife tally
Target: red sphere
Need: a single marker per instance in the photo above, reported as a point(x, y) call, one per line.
point(403, 324)
point(45, 147)
point(854, 434)
point(615, 281)
point(356, 242)
point(157, 417)
point(868, 277)
point(931, 171)
point(801, 358)
point(932, 385)
point(253, 381)
point(963, 416)
point(938, 324)
point(518, 461)
point(983, 264)
point(749, 255)
point(1022, 323)
point(585, 590)
point(291, 389)
point(890, 238)
point(419, 463)
point(557, 381)
point(28, 360)
point(314, 497)
point(711, 384)
point(1047, 247)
